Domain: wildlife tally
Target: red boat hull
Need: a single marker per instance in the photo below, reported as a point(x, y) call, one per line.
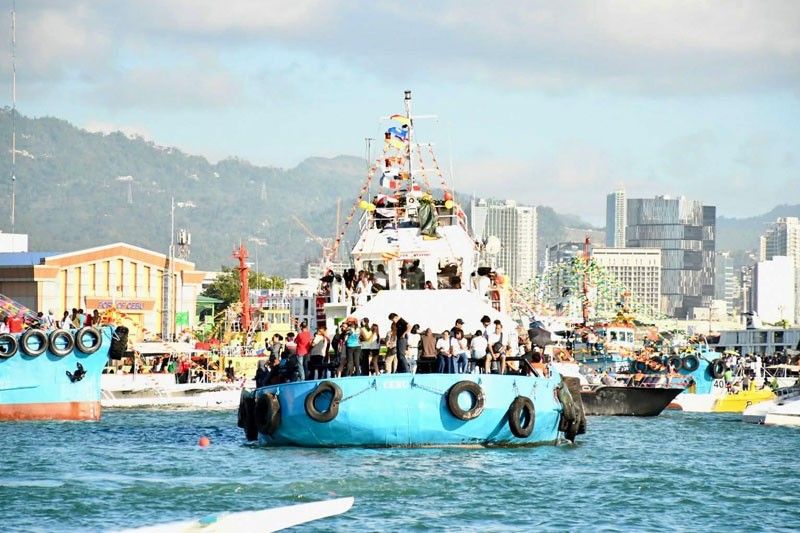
point(51, 411)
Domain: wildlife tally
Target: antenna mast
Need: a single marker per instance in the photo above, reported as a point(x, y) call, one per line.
point(13, 114)
point(407, 100)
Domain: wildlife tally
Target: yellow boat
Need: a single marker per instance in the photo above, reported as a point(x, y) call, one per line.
point(737, 402)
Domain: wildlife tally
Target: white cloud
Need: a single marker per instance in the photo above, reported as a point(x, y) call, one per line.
point(173, 88)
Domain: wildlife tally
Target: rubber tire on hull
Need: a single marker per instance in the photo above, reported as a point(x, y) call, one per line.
point(477, 393)
point(571, 419)
point(90, 331)
point(640, 366)
point(13, 345)
point(268, 413)
point(520, 405)
point(247, 415)
point(676, 362)
point(332, 411)
point(67, 349)
point(23, 342)
point(691, 363)
point(573, 385)
point(717, 369)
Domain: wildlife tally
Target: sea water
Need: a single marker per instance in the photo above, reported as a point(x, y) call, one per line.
point(678, 471)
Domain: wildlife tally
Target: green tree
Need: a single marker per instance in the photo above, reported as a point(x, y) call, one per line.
point(226, 286)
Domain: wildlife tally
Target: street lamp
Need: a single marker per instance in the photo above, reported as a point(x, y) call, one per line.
point(168, 322)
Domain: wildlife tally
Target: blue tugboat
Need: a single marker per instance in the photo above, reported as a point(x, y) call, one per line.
point(53, 375)
point(410, 241)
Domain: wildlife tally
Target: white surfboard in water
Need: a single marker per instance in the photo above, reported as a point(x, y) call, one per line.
point(263, 521)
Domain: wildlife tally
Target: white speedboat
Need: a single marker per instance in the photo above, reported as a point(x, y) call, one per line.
point(161, 390)
point(784, 410)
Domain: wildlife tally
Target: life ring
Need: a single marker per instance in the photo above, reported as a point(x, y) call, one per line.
point(247, 416)
point(691, 363)
point(267, 413)
point(81, 343)
point(40, 337)
point(478, 399)
point(61, 342)
point(521, 427)
point(8, 346)
point(717, 369)
point(333, 409)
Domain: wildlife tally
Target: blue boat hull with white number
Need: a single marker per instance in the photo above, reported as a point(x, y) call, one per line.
point(405, 410)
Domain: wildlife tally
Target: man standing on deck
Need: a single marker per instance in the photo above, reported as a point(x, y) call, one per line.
point(401, 327)
point(303, 341)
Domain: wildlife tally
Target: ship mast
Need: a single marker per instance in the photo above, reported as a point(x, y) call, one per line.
point(407, 101)
point(585, 288)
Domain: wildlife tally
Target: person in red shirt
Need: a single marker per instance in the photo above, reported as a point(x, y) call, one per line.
point(15, 324)
point(303, 341)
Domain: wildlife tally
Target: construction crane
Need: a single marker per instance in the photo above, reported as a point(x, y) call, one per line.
point(325, 243)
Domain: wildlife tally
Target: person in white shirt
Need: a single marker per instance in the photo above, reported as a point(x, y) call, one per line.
point(444, 354)
point(412, 352)
point(497, 349)
point(460, 350)
point(478, 345)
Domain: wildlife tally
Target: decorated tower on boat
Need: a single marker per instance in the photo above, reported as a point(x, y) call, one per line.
point(417, 264)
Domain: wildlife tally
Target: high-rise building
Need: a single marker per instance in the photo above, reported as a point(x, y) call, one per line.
point(638, 271)
point(727, 286)
point(684, 230)
point(771, 300)
point(515, 226)
point(616, 219)
point(783, 239)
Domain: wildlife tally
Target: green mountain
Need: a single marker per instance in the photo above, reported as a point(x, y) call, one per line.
point(73, 189)
point(737, 234)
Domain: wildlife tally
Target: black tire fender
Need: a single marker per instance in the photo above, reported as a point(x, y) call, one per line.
point(267, 413)
point(717, 369)
point(691, 363)
point(247, 415)
point(332, 411)
point(69, 342)
point(80, 343)
point(25, 337)
point(675, 362)
point(8, 345)
point(478, 400)
point(521, 405)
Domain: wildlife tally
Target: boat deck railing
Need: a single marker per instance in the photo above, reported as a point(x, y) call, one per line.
point(389, 216)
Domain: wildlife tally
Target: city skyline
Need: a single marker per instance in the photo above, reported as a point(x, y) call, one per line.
point(534, 114)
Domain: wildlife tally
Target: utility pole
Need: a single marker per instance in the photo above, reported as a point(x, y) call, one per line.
point(13, 116)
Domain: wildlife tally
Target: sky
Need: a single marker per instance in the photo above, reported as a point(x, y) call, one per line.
point(550, 103)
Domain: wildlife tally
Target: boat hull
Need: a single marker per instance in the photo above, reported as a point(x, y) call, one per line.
point(412, 410)
point(627, 401)
point(51, 411)
point(38, 388)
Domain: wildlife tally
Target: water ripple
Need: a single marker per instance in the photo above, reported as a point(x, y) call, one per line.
point(677, 472)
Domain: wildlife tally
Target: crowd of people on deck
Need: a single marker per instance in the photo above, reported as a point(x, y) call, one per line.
point(358, 287)
point(69, 320)
point(359, 348)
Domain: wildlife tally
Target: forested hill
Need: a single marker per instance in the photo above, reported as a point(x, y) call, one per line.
point(73, 193)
